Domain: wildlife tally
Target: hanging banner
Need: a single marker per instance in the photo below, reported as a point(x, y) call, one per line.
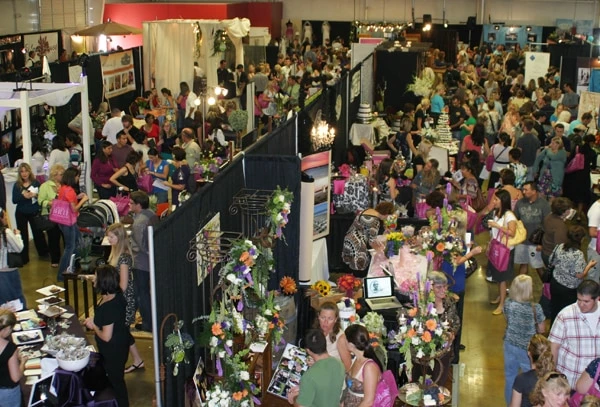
point(117, 73)
point(43, 44)
point(536, 65)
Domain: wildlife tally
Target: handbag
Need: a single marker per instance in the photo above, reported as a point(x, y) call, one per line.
point(421, 209)
point(577, 398)
point(577, 163)
point(489, 161)
point(42, 222)
point(62, 213)
point(471, 213)
point(387, 390)
point(145, 183)
point(520, 235)
point(122, 203)
point(13, 259)
point(546, 276)
point(537, 236)
point(499, 254)
point(598, 244)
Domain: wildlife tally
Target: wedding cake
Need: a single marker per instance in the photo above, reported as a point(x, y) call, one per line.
point(444, 135)
point(347, 316)
point(364, 115)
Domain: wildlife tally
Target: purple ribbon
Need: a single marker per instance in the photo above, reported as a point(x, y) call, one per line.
point(249, 278)
point(240, 306)
point(228, 350)
point(219, 367)
point(256, 401)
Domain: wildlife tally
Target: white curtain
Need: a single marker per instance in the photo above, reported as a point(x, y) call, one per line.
point(236, 30)
point(170, 45)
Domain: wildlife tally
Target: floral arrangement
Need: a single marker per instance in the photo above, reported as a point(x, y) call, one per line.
point(142, 103)
point(239, 272)
point(348, 284)
point(374, 323)
point(431, 395)
point(278, 208)
point(272, 320)
point(235, 390)
point(238, 119)
point(390, 222)
point(420, 86)
point(288, 286)
point(280, 101)
point(322, 287)
point(198, 45)
point(421, 335)
point(394, 242)
point(50, 123)
point(441, 242)
point(177, 343)
point(208, 166)
point(220, 42)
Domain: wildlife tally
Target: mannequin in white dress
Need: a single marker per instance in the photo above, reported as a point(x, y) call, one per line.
point(325, 28)
point(307, 32)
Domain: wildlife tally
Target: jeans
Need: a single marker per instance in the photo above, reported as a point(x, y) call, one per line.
point(141, 288)
point(10, 287)
point(54, 236)
point(10, 397)
point(105, 193)
point(71, 235)
point(162, 196)
point(515, 358)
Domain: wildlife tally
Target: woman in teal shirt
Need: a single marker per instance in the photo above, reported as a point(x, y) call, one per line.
point(159, 170)
point(552, 171)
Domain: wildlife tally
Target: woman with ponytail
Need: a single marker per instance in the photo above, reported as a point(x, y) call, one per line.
point(365, 372)
point(540, 355)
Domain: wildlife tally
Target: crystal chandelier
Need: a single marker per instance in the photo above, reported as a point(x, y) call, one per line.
point(321, 135)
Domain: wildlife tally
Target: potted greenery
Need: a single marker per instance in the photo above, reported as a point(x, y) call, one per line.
point(85, 251)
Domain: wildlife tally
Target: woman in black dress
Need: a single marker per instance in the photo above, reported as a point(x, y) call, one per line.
point(112, 335)
point(577, 185)
point(126, 177)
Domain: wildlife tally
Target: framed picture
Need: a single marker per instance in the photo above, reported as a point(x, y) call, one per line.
point(531, 37)
point(510, 36)
point(317, 166)
point(491, 37)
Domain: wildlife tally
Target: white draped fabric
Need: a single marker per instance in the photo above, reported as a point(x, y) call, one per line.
point(170, 45)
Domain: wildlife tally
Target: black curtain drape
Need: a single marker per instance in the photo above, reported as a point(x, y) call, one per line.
point(176, 277)
point(281, 141)
point(340, 144)
point(397, 69)
point(267, 172)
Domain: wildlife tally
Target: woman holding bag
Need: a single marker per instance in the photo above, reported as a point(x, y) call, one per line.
point(502, 227)
point(67, 193)
point(48, 192)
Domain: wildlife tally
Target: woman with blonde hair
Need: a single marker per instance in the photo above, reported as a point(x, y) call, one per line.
point(551, 390)
point(552, 172)
point(523, 320)
point(420, 155)
point(422, 115)
point(49, 192)
point(427, 179)
point(25, 197)
point(121, 258)
point(328, 321)
point(540, 355)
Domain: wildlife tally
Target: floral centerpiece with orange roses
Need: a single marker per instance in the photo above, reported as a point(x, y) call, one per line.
point(422, 336)
point(348, 283)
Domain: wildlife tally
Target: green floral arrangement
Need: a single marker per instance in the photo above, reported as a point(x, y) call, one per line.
point(238, 119)
point(270, 319)
point(236, 389)
point(374, 323)
point(208, 166)
point(420, 86)
point(50, 123)
point(142, 103)
point(421, 334)
point(221, 42)
point(278, 208)
point(440, 242)
point(177, 343)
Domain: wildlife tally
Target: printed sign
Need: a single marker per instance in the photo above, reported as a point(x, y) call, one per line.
point(117, 73)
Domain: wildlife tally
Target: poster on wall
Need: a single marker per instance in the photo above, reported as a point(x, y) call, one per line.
point(355, 87)
point(583, 80)
point(536, 65)
point(117, 73)
point(207, 242)
point(589, 102)
point(318, 167)
point(44, 44)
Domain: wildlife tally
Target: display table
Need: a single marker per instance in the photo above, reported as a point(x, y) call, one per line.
point(405, 267)
point(360, 132)
point(402, 397)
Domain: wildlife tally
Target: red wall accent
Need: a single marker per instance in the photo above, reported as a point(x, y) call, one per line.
point(259, 14)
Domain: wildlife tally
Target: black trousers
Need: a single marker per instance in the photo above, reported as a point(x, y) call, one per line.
point(24, 219)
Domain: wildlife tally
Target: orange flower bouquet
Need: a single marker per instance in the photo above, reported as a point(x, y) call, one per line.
point(348, 284)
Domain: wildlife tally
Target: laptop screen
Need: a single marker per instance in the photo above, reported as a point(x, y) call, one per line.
point(378, 287)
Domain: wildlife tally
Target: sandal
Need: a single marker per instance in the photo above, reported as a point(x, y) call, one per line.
point(133, 367)
point(54, 265)
point(496, 301)
point(498, 311)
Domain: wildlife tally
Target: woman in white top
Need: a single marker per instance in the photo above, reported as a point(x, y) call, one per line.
point(59, 154)
point(500, 152)
point(503, 226)
point(328, 321)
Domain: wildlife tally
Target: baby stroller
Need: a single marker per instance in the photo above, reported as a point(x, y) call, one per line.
point(94, 219)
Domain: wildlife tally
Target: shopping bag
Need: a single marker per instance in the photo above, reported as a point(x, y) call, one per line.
point(471, 213)
point(421, 209)
point(489, 162)
point(499, 254)
point(145, 183)
point(62, 213)
point(122, 202)
point(577, 163)
point(520, 235)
